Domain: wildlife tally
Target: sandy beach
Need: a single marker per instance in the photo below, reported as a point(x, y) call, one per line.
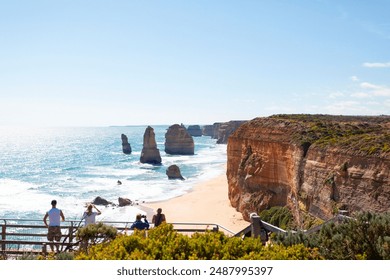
point(207, 203)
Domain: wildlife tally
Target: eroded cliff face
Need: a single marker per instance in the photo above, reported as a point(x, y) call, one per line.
point(282, 162)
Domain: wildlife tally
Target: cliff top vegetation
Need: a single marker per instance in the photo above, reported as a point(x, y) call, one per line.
point(359, 135)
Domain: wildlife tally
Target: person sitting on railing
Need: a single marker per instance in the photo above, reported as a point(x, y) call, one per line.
point(138, 224)
point(54, 230)
point(89, 215)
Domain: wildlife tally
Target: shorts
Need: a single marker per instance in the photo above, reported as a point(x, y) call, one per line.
point(54, 233)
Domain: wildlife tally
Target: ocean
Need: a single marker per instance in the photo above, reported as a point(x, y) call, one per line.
point(75, 165)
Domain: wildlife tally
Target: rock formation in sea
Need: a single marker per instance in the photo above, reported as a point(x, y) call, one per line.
point(226, 129)
point(221, 130)
point(212, 130)
point(124, 201)
point(101, 201)
point(315, 164)
point(150, 154)
point(178, 141)
point(208, 130)
point(125, 144)
point(173, 172)
point(194, 130)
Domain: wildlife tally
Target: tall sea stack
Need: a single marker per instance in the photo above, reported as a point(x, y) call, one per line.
point(194, 130)
point(125, 145)
point(150, 153)
point(178, 141)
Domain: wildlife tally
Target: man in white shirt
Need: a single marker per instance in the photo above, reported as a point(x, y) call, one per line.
point(54, 230)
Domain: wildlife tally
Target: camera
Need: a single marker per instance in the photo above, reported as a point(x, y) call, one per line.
point(143, 216)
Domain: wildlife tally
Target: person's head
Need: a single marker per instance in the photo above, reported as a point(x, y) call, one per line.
point(138, 217)
point(54, 203)
point(159, 211)
point(89, 208)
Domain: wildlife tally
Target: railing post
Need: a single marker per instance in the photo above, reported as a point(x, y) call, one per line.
point(3, 235)
point(255, 224)
point(71, 232)
point(44, 249)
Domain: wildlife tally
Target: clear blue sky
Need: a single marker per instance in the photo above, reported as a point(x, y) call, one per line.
point(123, 62)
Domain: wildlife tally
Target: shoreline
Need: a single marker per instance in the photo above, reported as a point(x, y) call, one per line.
point(207, 202)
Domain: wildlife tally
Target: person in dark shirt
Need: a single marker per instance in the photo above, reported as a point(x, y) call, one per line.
point(139, 224)
point(158, 218)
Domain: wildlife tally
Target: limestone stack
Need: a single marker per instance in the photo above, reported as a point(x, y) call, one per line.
point(173, 172)
point(221, 130)
point(178, 141)
point(226, 129)
point(150, 154)
point(208, 130)
point(125, 145)
point(194, 130)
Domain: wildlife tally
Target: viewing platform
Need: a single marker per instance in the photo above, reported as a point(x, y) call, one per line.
point(23, 236)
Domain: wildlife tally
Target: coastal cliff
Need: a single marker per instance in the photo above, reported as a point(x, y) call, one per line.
point(313, 164)
point(221, 130)
point(226, 129)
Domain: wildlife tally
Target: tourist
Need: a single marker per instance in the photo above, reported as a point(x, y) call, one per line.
point(89, 215)
point(54, 230)
point(158, 218)
point(138, 224)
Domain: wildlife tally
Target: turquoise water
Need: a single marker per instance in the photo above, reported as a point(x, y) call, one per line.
point(75, 165)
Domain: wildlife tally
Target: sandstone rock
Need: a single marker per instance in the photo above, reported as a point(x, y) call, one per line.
point(194, 130)
point(226, 129)
point(125, 144)
point(150, 154)
point(178, 141)
point(101, 201)
point(215, 131)
point(221, 130)
point(173, 172)
point(208, 130)
point(310, 163)
point(124, 202)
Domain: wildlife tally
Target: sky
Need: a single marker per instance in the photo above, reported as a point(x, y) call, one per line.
point(132, 62)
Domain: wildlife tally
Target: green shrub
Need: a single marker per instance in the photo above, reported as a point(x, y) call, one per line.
point(95, 233)
point(365, 237)
point(278, 216)
point(359, 135)
point(164, 243)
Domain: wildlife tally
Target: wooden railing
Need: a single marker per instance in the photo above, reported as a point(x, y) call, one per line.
point(19, 236)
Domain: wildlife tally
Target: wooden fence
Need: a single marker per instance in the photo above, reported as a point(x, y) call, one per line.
point(19, 236)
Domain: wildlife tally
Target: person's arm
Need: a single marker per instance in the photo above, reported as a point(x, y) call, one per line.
point(146, 223)
point(154, 219)
point(163, 218)
point(62, 215)
point(98, 211)
point(45, 219)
